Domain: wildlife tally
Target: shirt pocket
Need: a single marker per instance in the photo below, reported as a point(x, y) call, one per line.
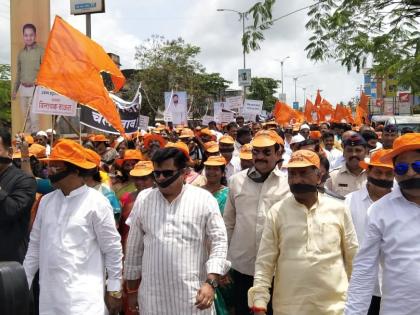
point(190, 229)
point(328, 237)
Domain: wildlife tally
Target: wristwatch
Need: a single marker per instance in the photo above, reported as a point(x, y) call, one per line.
point(213, 282)
point(115, 294)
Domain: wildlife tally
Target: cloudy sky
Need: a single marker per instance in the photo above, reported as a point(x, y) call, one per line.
point(129, 22)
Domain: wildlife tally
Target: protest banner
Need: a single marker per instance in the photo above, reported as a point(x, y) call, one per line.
point(206, 119)
point(128, 112)
point(50, 103)
point(176, 107)
point(234, 102)
point(143, 122)
point(252, 107)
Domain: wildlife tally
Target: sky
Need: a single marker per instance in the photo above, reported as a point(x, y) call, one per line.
point(127, 23)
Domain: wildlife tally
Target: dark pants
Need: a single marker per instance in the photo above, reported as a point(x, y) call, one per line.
point(242, 283)
point(375, 305)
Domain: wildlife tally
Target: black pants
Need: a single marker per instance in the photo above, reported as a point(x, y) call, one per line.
point(242, 283)
point(375, 305)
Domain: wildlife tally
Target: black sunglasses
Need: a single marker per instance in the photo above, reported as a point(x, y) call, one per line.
point(165, 173)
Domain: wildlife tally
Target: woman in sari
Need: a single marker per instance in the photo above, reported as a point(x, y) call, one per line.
point(216, 185)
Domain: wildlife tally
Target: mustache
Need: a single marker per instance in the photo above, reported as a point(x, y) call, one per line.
point(302, 188)
point(354, 157)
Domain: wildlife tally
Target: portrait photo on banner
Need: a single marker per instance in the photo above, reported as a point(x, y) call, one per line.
point(176, 104)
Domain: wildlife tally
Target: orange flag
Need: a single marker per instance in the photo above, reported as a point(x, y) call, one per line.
point(318, 99)
point(342, 113)
point(285, 114)
point(310, 112)
point(71, 67)
point(362, 111)
point(325, 111)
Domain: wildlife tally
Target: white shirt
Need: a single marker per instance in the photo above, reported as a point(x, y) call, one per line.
point(237, 147)
point(358, 202)
point(245, 212)
point(172, 247)
point(335, 157)
point(72, 241)
point(233, 167)
point(392, 233)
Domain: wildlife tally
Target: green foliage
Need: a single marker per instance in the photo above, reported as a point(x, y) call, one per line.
point(5, 96)
point(355, 31)
point(263, 89)
point(261, 13)
point(171, 64)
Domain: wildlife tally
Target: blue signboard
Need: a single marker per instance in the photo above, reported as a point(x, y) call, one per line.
point(295, 105)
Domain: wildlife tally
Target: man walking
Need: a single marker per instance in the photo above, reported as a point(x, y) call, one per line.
point(392, 239)
point(74, 240)
point(308, 243)
point(251, 194)
point(380, 179)
point(177, 242)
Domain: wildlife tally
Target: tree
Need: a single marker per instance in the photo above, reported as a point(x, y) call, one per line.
point(167, 65)
point(355, 31)
point(263, 89)
point(5, 95)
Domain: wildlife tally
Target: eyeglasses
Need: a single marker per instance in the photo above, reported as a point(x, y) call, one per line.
point(164, 173)
point(402, 168)
point(266, 152)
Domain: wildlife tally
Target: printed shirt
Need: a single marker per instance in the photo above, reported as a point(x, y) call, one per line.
point(392, 239)
point(172, 247)
point(310, 252)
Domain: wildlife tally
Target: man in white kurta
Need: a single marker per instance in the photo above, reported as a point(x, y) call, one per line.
point(174, 246)
point(73, 242)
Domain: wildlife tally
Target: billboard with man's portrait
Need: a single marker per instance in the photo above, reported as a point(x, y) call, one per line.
point(176, 105)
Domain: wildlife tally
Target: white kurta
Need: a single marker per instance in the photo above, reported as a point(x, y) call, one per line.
point(72, 240)
point(168, 248)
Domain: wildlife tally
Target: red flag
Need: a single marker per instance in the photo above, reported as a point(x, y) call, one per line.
point(71, 67)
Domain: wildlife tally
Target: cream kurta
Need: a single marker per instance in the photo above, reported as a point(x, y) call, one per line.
point(73, 240)
point(310, 252)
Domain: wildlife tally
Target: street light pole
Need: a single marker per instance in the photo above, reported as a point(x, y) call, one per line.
point(242, 16)
point(295, 79)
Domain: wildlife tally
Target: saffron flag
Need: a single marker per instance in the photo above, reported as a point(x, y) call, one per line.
point(310, 112)
point(362, 111)
point(342, 114)
point(325, 111)
point(318, 99)
point(71, 67)
point(284, 114)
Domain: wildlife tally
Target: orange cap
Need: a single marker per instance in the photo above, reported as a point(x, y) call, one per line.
point(130, 155)
point(304, 158)
point(187, 133)
point(29, 139)
point(215, 160)
point(246, 152)
point(181, 146)
point(142, 168)
point(375, 160)
point(206, 131)
point(226, 139)
point(70, 151)
point(315, 135)
point(407, 142)
point(36, 150)
point(266, 138)
point(99, 138)
point(148, 138)
point(93, 157)
point(211, 147)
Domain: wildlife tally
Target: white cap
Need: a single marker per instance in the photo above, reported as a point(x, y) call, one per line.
point(41, 134)
point(50, 131)
point(304, 126)
point(296, 139)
